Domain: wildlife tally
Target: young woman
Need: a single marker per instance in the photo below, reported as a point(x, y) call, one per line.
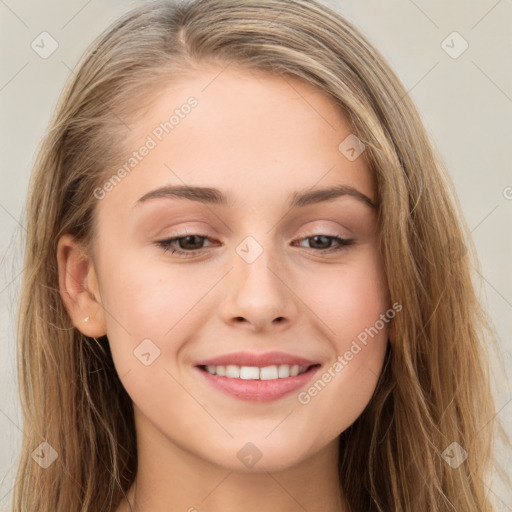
point(247, 281)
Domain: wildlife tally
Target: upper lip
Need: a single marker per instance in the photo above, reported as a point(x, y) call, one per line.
point(252, 359)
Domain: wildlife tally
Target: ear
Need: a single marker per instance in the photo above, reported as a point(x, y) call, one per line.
point(78, 286)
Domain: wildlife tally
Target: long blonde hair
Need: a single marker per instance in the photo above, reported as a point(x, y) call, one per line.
point(434, 389)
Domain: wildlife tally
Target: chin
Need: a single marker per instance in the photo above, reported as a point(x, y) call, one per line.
point(260, 455)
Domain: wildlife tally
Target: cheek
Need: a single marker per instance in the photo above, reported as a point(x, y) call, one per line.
point(151, 302)
point(349, 299)
point(147, 298)
point(353, 305)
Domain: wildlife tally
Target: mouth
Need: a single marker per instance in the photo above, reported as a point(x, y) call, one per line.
point(272, 372)
point(255, 383)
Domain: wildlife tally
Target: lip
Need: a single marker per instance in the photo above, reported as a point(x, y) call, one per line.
point(253, 359)
point(256, 390)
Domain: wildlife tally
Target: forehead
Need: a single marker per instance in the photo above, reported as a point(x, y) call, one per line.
point(258, 135)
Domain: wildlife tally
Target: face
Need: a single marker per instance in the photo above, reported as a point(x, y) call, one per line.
point(242, 278)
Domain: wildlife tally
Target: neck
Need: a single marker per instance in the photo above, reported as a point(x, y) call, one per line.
point(271, 492)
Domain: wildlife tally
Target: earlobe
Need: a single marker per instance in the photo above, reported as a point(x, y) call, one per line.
point(78, 287)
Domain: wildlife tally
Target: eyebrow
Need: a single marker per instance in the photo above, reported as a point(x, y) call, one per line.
point(210, 195)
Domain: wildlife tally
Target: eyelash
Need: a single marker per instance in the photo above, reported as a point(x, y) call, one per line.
point(166, 245)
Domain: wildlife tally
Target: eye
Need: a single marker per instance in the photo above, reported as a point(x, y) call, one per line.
point(323, 243)
point(186, 245)
point(189, 245)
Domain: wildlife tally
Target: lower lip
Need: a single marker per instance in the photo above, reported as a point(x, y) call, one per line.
point(259, 390)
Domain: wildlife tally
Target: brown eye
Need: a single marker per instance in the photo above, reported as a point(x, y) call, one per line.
point(185, 245)
point(324, 243)
point(321, 242)
point(190, 242)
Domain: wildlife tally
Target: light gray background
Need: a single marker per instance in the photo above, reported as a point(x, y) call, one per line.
point(466, 105)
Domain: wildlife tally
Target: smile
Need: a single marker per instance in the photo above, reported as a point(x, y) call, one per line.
point(257, 384)
point(272, 372)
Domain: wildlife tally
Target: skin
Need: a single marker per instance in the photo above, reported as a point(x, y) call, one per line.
point(258, 138)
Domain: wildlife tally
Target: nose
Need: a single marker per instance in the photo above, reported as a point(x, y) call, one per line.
point(260, 294)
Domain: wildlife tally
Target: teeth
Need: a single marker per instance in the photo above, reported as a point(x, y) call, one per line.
point(269, 372)
point(233, 371)
point(249, 372)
